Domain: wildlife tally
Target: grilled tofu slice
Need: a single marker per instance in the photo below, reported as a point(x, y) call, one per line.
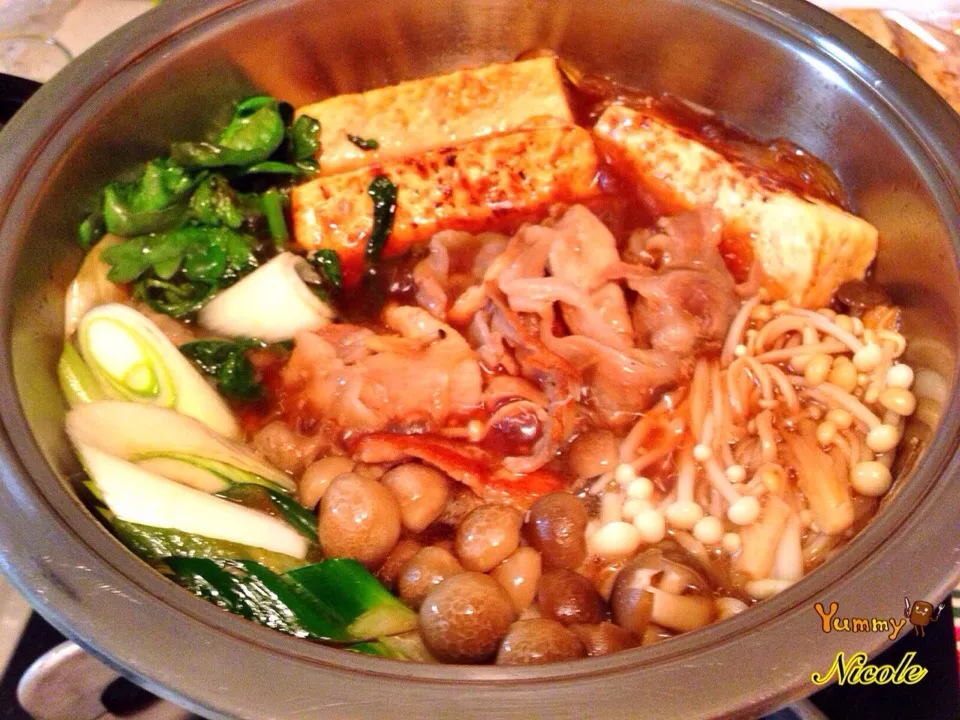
point(805, 247)
point(487, 184)
point(413, 117)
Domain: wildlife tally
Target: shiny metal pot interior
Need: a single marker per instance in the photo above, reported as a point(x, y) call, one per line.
point(778, 68)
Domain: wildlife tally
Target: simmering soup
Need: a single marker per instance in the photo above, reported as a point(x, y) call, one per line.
point(511, 365)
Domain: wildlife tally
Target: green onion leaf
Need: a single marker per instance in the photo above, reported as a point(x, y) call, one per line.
point(383, 192)
point(272, 203)
point(327, 263)
point(363, 143)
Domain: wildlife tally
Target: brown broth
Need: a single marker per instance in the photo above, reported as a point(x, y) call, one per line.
point(778, 163)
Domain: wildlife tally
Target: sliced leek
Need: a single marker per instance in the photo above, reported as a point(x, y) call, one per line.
point(272, 304)
point(137, 496)
point(175, 446)
point(90, 287)
point(78, 384)
point(133, 360)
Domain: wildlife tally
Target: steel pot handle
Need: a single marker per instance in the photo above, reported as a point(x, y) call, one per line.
point(67, 684)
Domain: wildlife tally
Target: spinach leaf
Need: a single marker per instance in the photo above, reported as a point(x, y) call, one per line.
point(383, 192)
point(176, 299)
point(204, 253)
point(153, 202)
point(91, 230)
point(255, 132)
point(327, 263)
point(274, 167)
point(363, 143)
point(227, 363)
point(272, 203)
point(127, 261)
point(304, 138)
point(215, 203)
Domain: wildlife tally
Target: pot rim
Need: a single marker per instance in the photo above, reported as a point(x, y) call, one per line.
point(77, 566)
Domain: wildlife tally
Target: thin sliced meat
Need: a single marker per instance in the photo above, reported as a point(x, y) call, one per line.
point(685, 311)
point(455, 264)
point(360, 381)
point(687, 306)
point(621, 382)
point(471, 465)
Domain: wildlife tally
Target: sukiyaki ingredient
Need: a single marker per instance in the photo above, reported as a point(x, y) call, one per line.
point(155, 202)
point(137, 496)
point(604, 638)
point(564, 389)
point(465, 617)
point(155, 544)
point(487, 536)
point(359, 519)
point(555, 527)
point(78, 384)
point(273, 303)
point(407, 646)
point(255, 132)
point(569, 598)
point(255, 592)
point(172, 445)
point(538, 641)
point(228, 364)
point(422, 492)
point(499, 180)
point(390, 569)
point(134, 361)
point(429, 567)
point(384, 195)
point(807, 248)
point(318, 476)
point(276, 503)
point(421, 115)
point(519, 574)
point(365, 608)
point(355, 379)
point(593, 453)
point(91, 287)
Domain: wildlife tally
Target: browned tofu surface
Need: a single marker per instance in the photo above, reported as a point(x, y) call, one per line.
point(486, 184)
point(806, 247)
point(413, 117)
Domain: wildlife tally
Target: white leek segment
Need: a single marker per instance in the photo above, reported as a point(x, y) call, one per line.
point(175, 446)
point(134, 361)
point(78, 384)
point(138, 496)
point(90, 287)
point(273, 303)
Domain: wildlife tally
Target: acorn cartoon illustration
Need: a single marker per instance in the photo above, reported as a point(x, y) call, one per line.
point(921, 614)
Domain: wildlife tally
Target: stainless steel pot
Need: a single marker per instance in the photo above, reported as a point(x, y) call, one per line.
point(778, 68)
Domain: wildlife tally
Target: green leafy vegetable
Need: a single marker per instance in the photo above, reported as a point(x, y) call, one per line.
point(91, 230)
point(327, 263)
point(276, 503)
point(272, 203)
point(154, 544)
point(304, 138)
point(193, 232)
point(227, 363)
point(363, 143)
point(178, 271)
point(275, 167)
point(155, 201)
point(176, 299)
point(383, 192)
point(254, 133)
point(251, 590)
point(215, 203)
